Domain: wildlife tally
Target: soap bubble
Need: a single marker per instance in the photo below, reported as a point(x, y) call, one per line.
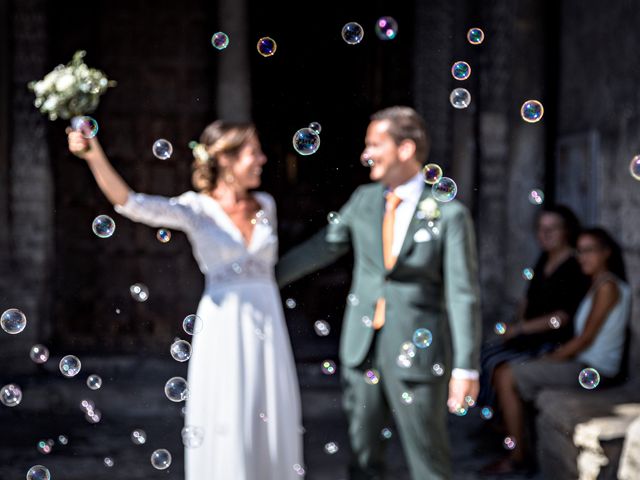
point(331, 448)
point(176, 389)
point(386, 433)
point(290, 303)
point(333, 218)
point(45, 447)
point(220, 40)
point(528, 273)
point(93, 416)
point(589, 378)
point(353, 299)
point(407, 398)
point(162, 149)
point(13, 321)
point(103, 226)
point(475, 36)
point(267, 46)
point(192, 437)
point(108, 462)
point(500, 328)
point(372, 376)
point(87, 126)
point(94, 382)
point(181, 350)
point(532, 111)
point(163, 235)
point(509, 443)
point(70, 366)
point(316, 127)
point(444, 190)
point(322, 328)
point(352, 33)
point(437, 369)
point(536, 197)
point(634, 167)
point(192, 324)
point(39, 353)
point(161, 459)
point(432, 173)
point(299, 469)
point(386, 28)
point(139, 292)
point(62, 440)
point(555, 323)
point(328, 367)
point(486, 413)
point(10, 395)
point(422, 338)
point(460, 98)
point(306, 141)
point(461, 70)
point(38, 472)
point(139, 437)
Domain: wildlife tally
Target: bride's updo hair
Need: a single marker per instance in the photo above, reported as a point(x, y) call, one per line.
point(219, 137)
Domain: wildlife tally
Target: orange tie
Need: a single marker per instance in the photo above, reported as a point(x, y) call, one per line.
point(387, 243)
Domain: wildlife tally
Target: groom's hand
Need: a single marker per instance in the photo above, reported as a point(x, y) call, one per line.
point(462, 393)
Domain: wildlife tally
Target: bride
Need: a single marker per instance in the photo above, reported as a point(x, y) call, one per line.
point(243, 389)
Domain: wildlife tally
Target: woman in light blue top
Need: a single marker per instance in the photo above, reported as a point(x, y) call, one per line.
point(598, 343)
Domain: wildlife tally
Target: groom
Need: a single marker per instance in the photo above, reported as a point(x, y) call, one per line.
point(411, 332)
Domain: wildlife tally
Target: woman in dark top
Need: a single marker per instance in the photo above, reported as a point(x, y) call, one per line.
point(545, 318)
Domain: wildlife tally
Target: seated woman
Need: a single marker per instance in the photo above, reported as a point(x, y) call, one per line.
point(600, 330)
point(545, 316)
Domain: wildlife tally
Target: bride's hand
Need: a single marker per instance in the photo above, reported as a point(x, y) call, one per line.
point(78, 145)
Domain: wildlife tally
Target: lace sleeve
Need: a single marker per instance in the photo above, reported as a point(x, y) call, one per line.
point(156, 211)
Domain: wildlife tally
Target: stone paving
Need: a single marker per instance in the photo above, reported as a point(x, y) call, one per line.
point(132, 397)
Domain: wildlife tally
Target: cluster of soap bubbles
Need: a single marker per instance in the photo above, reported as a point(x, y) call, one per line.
point(555, 323)
point(91, 413)
point(176, 389)
point(162, 149)
point(13, 321)
point(87, 126)
point(407, 354)
point(386, 28)
point(589, 378)
point(45, 447)
point(70, 366)
point(407, 397)
point(306, 141)
point(509, 443)
point(108, 462)
point(500, 328)
point(486, 413)
point(437, 369)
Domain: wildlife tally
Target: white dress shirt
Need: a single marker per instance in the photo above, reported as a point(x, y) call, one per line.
point(410, 193)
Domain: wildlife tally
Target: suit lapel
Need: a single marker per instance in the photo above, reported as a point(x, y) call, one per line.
point(375, 210)
point(414, 225)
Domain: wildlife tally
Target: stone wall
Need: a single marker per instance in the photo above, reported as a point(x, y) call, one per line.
point(599, 93)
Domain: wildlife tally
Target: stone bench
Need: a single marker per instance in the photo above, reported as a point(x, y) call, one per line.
point(581, 433)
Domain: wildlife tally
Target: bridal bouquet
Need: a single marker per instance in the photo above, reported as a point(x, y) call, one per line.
point(70, 90)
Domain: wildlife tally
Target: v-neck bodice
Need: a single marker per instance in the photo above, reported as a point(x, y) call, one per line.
point(218, 245)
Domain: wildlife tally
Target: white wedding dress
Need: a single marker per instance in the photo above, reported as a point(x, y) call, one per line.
point(243, 388)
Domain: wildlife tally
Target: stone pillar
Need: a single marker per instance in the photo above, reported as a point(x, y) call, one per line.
point(512, 156)
point(31, 189)
point(233, 96)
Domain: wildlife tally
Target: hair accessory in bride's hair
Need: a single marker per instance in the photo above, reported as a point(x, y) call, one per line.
point(199, 151)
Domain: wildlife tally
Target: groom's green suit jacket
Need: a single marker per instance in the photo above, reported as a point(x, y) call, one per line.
point(432, 285)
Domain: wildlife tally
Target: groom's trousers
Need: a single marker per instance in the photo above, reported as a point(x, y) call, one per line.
point(421, 423)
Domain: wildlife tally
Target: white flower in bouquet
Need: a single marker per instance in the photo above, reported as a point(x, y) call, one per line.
point(70, 90)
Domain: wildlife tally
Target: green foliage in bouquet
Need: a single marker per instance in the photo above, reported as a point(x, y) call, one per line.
point(70, 90)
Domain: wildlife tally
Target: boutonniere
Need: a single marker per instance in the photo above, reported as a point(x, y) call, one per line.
point(428, 209)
